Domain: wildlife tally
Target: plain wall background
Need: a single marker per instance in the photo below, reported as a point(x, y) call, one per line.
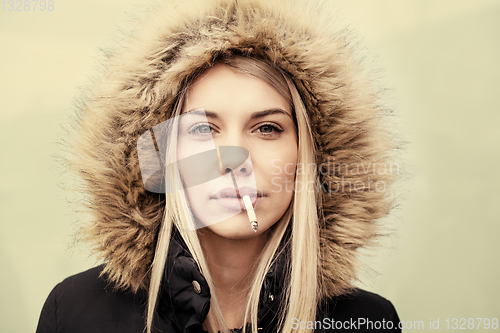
point(440, 61)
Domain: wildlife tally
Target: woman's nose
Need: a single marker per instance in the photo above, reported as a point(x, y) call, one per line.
point(232, 136)
point(236, 159)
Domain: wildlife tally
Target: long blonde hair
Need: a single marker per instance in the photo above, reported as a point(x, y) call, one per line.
point(302, 291)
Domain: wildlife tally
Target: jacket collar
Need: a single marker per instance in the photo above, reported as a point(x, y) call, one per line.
point(185, 294)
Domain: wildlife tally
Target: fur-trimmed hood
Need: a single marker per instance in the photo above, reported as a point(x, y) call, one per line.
point(138, 89)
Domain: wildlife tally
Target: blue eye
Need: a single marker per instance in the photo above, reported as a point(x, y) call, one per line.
point(200, 130)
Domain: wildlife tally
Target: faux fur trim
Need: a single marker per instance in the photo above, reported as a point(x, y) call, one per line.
point(138, 89)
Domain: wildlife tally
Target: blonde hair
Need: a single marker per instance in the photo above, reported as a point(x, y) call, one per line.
point(302, 292)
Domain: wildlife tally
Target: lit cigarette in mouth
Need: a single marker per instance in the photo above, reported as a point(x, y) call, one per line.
point(250, 212)
point(246, 198)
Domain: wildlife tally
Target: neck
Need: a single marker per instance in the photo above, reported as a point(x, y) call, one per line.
point(231, 263)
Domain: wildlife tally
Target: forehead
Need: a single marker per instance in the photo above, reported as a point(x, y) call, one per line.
point(223, 88)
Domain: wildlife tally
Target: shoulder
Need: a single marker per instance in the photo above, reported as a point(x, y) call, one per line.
point(89, 285)
point(85, 302)
point(362, 302)
point(81, 282)
point(361, 311)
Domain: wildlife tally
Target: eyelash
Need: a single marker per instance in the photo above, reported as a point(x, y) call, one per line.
point(276, 129)
point(195, 130)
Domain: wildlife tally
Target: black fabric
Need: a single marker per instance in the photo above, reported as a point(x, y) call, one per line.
point(86, 303)
point(359, 311)
point(179, 301)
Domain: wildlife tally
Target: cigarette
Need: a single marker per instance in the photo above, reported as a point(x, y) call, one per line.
point(246, 199)
point(250, 212)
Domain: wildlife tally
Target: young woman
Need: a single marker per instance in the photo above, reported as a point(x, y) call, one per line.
point(231, 154)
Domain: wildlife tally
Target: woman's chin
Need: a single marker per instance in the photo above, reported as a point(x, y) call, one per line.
point(235, 227)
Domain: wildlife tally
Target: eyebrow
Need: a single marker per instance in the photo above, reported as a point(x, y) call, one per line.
point(258, 114)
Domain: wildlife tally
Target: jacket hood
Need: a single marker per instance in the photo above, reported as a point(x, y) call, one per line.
point(138, 89)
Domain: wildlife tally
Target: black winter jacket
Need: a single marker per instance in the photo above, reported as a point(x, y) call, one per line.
point(85, 303)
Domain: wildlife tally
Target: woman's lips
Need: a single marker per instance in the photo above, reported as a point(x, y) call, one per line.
point(235, 203)
point(228, 197)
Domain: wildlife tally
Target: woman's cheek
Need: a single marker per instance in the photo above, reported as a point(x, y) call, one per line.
point(282, 176)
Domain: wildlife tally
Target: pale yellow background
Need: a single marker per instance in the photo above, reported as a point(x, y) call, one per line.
point(440, 61)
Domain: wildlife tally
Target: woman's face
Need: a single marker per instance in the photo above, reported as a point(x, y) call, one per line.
point(241, 110)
